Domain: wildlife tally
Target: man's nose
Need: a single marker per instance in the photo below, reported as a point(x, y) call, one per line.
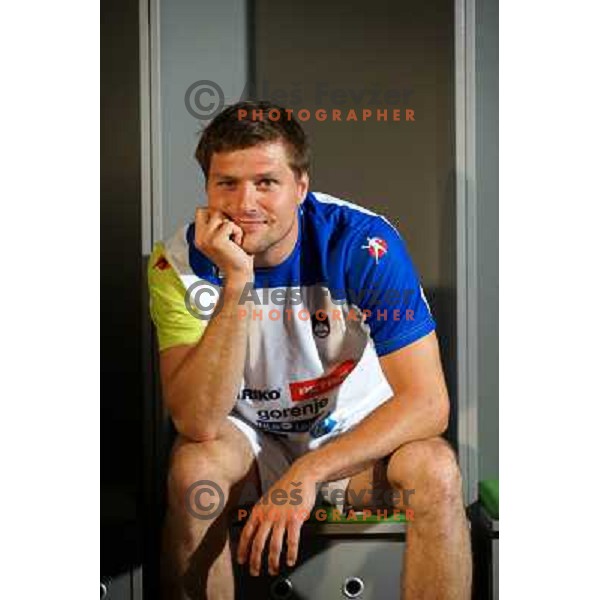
point(246, 198)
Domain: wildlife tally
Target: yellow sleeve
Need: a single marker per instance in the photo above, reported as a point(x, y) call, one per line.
point(174, 324)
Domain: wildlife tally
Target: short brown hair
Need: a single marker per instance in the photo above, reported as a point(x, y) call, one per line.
point(232, 130)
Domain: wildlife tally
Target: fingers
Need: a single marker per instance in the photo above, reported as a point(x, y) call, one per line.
point(202, 230)
point(238, 234)
point(275, 547)
point(204, 214)
point(254, 538)
point(208, 220)
point(201, 216)
point(202, 219)
point(257, 547)
point(293, 539)
point(246, 537)
point(213, 226)
point(225, 231)
point(217, 222)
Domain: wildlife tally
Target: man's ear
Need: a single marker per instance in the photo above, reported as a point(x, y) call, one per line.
point(303, 183)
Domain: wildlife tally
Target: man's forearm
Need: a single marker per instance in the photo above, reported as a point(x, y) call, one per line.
point(400, 420)
point(204, 388)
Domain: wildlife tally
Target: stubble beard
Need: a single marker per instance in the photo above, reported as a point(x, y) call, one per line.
point(265, 243)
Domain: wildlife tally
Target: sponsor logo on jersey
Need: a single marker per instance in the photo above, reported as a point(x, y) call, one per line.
point(162, 263)
point(320, 326)
point(284, 427)
point(314, 408)
point(323, 426)
point(254, 394)
point(377, 247)
point(311, 388)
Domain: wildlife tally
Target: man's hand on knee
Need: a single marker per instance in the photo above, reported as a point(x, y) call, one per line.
point(280, 513)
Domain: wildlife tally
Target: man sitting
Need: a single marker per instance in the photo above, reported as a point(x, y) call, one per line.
point(318, 367)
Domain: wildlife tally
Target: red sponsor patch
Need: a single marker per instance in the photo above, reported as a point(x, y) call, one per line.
point(162, 263)
point(311, 388)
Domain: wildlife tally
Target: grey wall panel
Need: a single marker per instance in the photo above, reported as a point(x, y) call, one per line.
point(477, 236)
point(487, 215)
point(193, 41)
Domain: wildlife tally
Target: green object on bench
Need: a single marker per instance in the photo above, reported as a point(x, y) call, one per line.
point(489, 497)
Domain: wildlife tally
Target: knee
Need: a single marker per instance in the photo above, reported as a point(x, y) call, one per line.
point(428, 468)
point(190, 464)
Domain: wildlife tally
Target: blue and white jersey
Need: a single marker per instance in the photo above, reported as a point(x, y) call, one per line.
point(346, 295)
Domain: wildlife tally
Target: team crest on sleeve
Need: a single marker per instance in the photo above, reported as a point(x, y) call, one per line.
point(376, 247)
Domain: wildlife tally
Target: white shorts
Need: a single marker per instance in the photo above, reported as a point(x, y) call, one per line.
point(275, 455)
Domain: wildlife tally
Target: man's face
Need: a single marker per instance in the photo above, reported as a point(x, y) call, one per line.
point(257, 189)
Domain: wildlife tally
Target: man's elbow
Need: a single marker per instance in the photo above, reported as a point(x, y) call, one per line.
point(440, 413)
point(436, 413)
point(192, 430)
point(186, 420)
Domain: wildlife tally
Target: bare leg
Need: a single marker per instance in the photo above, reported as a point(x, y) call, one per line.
point(438, 554)
point(438, 562)
point(196, 557)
